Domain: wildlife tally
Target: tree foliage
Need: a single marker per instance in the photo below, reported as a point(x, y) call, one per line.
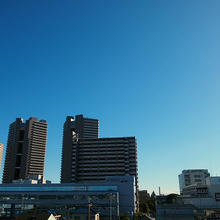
point(124, 217)
point(171, 198)
point(148, 206)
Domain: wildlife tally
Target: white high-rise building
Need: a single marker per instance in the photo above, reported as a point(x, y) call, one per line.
point(193, 177)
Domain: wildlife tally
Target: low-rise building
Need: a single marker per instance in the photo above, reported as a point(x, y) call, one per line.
point(192, 177)
point(205, 197)
point(32, 179)
point(176, 212)
point(196, 200)
point(114, 196)
point(213, 180)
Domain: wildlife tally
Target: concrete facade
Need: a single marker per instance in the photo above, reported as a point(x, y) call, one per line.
point(213, 180)
point(204, 197)
point(92, 159)
point(73, 129)
point(204, 201)
point(176, 212)
point(26, 148)
point(192, 177)
point(199, 199)
point(111, 197)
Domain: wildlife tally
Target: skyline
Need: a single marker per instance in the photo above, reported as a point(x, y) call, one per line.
point(143, 69)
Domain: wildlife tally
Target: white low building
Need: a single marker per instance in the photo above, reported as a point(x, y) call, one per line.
point(192, 177)
point(203, 196)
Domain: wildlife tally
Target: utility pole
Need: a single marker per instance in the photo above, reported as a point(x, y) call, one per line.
point(110, 208)
point(22, 203)
point(89, 207)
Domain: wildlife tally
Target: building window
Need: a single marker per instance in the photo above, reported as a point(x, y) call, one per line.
point(18, 160)
point(17, 174)
point(21, 135)
point(47, 197)
point(197, 176)
point(20, 147)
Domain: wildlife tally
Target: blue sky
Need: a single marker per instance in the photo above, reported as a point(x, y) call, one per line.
point(147, 68)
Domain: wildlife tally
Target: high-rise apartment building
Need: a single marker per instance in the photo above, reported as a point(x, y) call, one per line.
point(74, 129)
point(89, 158)
point(1, 153)
point(94, 159)
point(192, 177)
point(26, 148)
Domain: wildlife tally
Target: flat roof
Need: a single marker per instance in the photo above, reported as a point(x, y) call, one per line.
point(53, 188)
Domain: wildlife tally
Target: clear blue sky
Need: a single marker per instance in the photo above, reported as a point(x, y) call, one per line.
point(146, 68)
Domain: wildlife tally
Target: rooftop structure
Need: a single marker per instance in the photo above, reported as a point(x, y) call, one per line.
point(32, 179)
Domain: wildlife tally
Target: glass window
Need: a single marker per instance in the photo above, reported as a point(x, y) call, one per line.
point(21, 135)
point(65, 197)
point(17, 174)
point(197, 176)
point(47, 196)
point(102, 188)
point(18, 160)
point(20, 147)
point(56, 188)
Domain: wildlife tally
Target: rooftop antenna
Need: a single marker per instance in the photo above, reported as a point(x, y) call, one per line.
point(211, 171)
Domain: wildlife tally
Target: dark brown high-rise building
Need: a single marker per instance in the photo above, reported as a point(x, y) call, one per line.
point(26, 148)
point(77, 128)
point(94, 159)
point(86, 157)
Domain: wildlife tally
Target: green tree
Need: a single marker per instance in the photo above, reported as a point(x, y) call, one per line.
point(137, 215)
point(144, 208)
point(153, 195)
point(171, 198)
point(124, 217)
